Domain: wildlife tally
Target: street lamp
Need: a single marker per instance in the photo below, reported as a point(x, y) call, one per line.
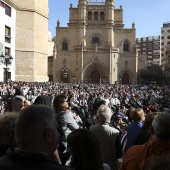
point(74, 76)
point(6, 60)
point(65, 71)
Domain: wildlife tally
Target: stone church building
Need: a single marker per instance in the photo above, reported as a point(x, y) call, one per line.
point(95, 47)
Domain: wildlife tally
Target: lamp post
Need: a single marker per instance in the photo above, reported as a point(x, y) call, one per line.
point(65, 71)
point(74, 76)
point(6, 60)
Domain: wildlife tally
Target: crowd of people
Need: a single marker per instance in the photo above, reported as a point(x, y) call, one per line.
point(96, 126)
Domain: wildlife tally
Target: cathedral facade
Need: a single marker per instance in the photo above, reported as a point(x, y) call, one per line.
point(95, 47)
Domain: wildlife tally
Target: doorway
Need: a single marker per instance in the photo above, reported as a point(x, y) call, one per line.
point(95, 77)
point(125, 78)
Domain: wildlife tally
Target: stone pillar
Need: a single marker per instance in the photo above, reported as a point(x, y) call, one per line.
point(32, 40)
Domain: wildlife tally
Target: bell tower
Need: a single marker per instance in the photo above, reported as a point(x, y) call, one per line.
point(31, 40)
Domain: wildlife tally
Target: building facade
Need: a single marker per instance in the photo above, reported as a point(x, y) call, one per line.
point(165, 45)
point(31, 55)
point(165, 40)
point(50, 56)
point(149, 46)
point(95, 46)
point(7, 37)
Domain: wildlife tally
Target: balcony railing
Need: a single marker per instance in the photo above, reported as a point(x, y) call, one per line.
point(103, 48)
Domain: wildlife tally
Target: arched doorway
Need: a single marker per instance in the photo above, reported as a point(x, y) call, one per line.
point(64, 78)
point(125, 78)
point(95, 77)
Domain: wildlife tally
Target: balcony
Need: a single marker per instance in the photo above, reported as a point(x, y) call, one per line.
point(7, 38)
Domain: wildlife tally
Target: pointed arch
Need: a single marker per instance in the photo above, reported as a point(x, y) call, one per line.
point(102, 16)
point(96, 15)
point(126, 76)
point(61, 78)
point(126, 46)
point(95, 69)
point(95, 77)
point(64, 45)
point(89, 15)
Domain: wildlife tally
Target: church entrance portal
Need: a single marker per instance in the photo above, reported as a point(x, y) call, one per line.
point(125, 78)
point(64, 78)
point(95, 77)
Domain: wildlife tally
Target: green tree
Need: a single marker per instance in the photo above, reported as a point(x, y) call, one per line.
point(153, 73)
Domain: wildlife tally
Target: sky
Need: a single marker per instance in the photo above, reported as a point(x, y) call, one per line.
point(148, 15)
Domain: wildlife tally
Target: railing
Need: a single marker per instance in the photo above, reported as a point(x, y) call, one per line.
point(103, 48)
point(96, 2)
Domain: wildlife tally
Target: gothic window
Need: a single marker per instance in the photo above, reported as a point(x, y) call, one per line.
point(102, 16)
point(64, 45)
point(126, 46)
point(89, 15)
point(96, 16)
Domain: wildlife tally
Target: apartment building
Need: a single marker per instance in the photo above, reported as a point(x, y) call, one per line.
point(167, 62)
point(165, 41)
point(7, 37)
point(149, 46)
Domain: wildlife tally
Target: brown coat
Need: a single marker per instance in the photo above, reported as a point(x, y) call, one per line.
point(138, 156)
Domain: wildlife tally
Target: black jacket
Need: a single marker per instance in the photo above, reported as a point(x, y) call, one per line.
point(28, 161)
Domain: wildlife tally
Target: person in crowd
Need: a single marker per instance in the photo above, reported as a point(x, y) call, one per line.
point(85, 151)
point(138, 117)
point(133, 102)
point(43, 99)
point(159, 162)
point(14, 104)
point(66, 124)
point(2, 105)
point(108, 137)
point(37, 139)
point(119, 124)
point(122, 113)
point(128, 111)
point(46, 100)
point(138, 156)
point(145, 133)
point(7, 134)
point(114, 100)
point(63, 115)
point(74, 103)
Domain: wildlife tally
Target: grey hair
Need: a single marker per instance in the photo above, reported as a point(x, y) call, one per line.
point(161, 126)
point(104, 113)
point(31, 123)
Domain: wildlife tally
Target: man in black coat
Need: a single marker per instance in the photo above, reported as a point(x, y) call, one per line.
point(37, 139)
